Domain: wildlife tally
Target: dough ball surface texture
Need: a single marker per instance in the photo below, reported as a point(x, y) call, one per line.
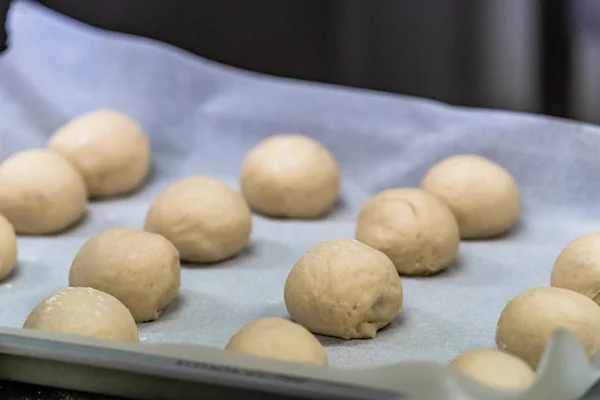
point(527, 322)
point(8, 247)
point(343, 288)
point(278, 338)
point(41, 192)
point(415, 229)
point(110, 150)
point(84, 311)
point(495, 368)
point(290, 175)
point(578, 267)
point(139, 268)
point(483, 196)
point(203, 217)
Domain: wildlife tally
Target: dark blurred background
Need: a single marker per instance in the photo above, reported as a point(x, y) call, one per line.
point(531, 55)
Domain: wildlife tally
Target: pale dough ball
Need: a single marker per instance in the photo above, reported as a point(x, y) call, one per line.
point(8, 247)
point(415, 229)
point(528, 321)
point(343, 288)
point(278, 338)
point(483, 196)
point(139, 268)
point(495, 368)
point(110, 150)
point(84, 311)
point(203, 217)
point(41, 192)
point(578, 267)
point(290, 175)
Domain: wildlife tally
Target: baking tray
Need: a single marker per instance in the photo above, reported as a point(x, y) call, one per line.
point(203, 117)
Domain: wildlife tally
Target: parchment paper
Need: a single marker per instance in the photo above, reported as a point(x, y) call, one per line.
point(203, 117)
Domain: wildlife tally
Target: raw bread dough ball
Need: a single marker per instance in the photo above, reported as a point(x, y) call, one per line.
point(415, 229)
point(84, 311)
point(8, 247)
point(290, 176)
point(495, 368)
point(203, 217)
point(578, 267)
point(110, 150)
point(139, 268)
point(278, 338)
point(483, 196)
point(528, 321)
point(343, 288)
point(41, 192)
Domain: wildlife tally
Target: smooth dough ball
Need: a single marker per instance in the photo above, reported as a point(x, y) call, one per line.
point(41, 192)
point(110, 150)
point(483, 196)
point(495, 368)
point(415, 229)
point(84, 311)
point(578, 267)
point(528, 321)
point(292, 176)
point(203, 217)
point(139, 268)
point(278, 338)
point(343, 288)
point(8, 247)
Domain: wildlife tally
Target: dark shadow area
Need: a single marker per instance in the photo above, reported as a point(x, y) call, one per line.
point(13, 276)
point(172, 308)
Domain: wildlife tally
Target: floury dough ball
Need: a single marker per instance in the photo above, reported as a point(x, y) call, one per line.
point(415, 229)
point(483, 196)
point(84, 311)
point(8, 247)
point(290, 175)
point(278, 338)
point(578, 267)
point(110, 150)
point(139, 268)
point(527, 322)
point(495, 368)
point(343, 288)
point(203, 217)
point(41, 192)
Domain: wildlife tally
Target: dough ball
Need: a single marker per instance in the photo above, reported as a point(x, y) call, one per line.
point(278, 338)
point(110, 150)
point(8, 247)
point(41, 192)
point(415, 229)
point(139, 268)
point(528, 321)
point(203, 217)
point(290, 176)
point(578, 267)
point(483, 196)
point(84, 311)
point(495, 368)
point(343, 288)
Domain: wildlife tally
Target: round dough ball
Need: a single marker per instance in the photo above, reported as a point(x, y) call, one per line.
point(343, 288)
point(415, 229)
point(84, 311)
point(139, 268)
point(41, 192)
point(577, 267)
point(8, 247)
point(483, 196)
point(495, 368)
point(110, 150)
point(278, 338)
point(203, 217)
point(290, 175)
point(528, 321)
